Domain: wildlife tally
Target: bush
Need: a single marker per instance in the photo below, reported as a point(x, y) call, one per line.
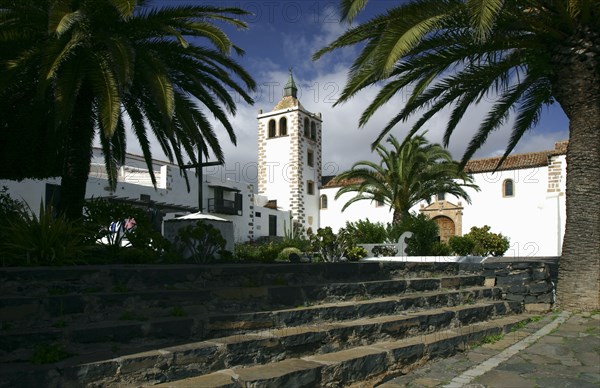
point(462, 245)
point(488, 243)
point(41, 240)
point(367, 232)
point(425, 234)
point(285, 253)
point(356, 253)
point(441, 249)
point(480, 242)
point(330, 246)
point(118, 226)
point(257, 252)
point(202, 241)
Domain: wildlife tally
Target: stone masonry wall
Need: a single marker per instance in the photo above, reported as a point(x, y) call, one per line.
point(526, 282)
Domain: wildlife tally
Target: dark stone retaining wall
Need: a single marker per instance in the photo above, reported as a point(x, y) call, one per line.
point(521, 281)
point(528, 282)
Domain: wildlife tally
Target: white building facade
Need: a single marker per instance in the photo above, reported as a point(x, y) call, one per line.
point(524, 199)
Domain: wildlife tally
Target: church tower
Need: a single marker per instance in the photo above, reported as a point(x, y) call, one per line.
point(289, 157)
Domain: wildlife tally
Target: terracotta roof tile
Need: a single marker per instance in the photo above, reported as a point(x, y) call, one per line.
point(516, 162)
point(513, 162)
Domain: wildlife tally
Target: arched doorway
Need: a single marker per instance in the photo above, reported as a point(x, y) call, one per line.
point(446, 226)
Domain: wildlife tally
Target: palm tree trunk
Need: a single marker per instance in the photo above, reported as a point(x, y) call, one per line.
point(398, 216)
point(77, 161)
point(577, 89)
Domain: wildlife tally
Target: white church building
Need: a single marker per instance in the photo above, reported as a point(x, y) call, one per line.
point(524, 199)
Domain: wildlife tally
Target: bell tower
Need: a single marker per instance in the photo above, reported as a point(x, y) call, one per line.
point(289, 157)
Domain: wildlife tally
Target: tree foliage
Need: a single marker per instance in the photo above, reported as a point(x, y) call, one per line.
point(407, 174)
point(525, 55)
point(72, 70)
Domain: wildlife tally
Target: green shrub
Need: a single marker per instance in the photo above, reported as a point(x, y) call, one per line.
point(480, 242)
point(202, 241)
point(285, 253)
point(102, 215)
point(488, 243)
point(41, 240)
point(49, 353)
point(425, 234)
point(441, 249)
point(329, 245)
point(462, 245)
point(257, 252)
point(356, 253)
point(367, 232)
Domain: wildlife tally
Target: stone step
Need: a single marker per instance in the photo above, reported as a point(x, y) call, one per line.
point(202, 325)
point(230, 324)
point(100, 306)
point(87, 279)
point(262, 347)
point(363, 366)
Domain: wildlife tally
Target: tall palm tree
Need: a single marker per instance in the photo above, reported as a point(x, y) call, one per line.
point(407, 174)
point(526, 53)
point(95, 65)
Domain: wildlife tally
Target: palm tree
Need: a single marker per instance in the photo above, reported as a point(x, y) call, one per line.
point(409, 173)
point(527, 54)
point(95, 65)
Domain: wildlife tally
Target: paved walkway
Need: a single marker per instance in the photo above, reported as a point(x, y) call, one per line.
point(560, 350)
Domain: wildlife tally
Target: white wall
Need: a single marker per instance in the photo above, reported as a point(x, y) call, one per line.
point(172, 190)
point(532, 219)
point(335, 218)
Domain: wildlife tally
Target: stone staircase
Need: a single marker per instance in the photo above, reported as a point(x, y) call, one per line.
point(292, 325)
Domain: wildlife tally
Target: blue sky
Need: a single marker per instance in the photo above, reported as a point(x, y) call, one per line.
point(284, 34)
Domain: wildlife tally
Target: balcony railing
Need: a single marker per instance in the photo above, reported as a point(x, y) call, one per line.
point(224, 206)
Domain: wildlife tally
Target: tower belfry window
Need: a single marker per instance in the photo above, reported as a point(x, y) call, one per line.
point(306, 127)
point(313, 131)
point(272, 132)
point(283, 126)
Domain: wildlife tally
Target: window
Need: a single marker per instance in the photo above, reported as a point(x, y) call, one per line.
point(306, 127)
point(441, 196)
point(271, 128)
point(379, 203)
point(508, 188)
point(257, 214)
point(272, 225)
point(310, 187)
point(313, 131)
point(323, 201)
point(283, 126)
point(310, 158)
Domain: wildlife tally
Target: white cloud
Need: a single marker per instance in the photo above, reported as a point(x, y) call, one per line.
point(343, 142)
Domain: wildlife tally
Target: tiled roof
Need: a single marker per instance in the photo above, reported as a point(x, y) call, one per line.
point(516, 162)
point(513, 162)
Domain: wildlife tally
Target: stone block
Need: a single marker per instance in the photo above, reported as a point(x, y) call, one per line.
point(424, 284)
point(117, 333)
point(141, 361)
point(523, 265)
point(540, 288)
point(286, 373)
point(515, 297)
point(171, 328)
point(285, 296)
point(496, 266)
point(512, 279)
point(518, 289)
point(490, 282)
point(537, 308)
point(350, 365)
point(385, 287)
